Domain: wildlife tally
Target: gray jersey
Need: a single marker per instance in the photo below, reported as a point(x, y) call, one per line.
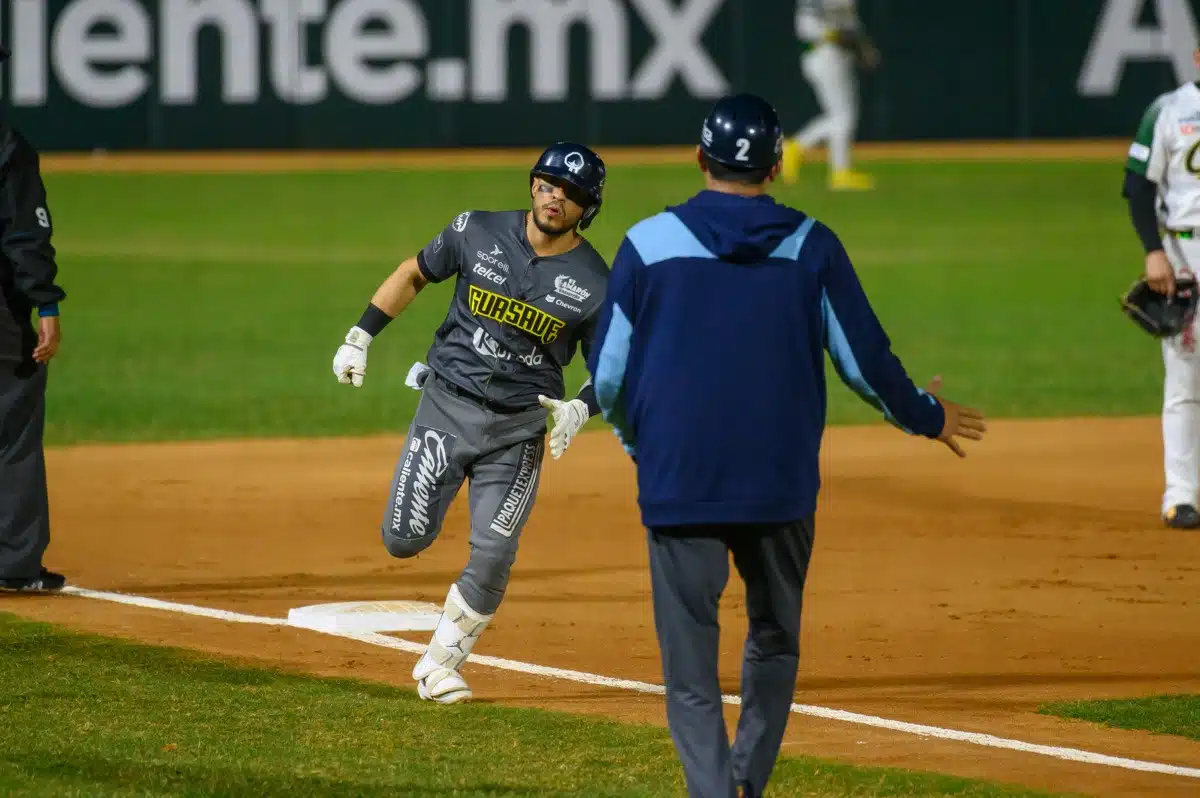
point(516, 318)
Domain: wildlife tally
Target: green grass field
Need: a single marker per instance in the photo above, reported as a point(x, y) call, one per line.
point(204, 306)
point(85, 716)
point(1166, 714)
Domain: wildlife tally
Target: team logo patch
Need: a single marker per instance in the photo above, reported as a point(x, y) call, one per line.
point(574, 162)
point(514, 507)
point(438, 243)
point(514, 313)
point(460, 221)
point(570, 289)
point(416, 501)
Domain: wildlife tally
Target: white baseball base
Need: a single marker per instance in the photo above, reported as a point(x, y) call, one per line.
point(367, 616)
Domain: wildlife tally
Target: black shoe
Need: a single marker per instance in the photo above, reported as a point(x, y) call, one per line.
point(1182, 516)
point(45, 582)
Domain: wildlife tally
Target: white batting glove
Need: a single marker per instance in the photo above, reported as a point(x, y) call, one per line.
point(350, 362)
point(569, 418)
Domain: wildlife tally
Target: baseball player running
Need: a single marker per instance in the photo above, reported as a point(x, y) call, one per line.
point(1162, 185)
point(528, 290)
point(833, 41)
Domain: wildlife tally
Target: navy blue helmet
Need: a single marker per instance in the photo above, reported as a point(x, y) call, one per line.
point(580, 170)
point(742, 132)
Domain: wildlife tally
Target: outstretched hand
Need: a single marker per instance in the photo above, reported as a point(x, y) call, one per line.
point(961, 422)
point(569, 418)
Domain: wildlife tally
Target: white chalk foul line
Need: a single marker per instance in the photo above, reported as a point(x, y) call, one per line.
point(596, 680)
point(171, 606)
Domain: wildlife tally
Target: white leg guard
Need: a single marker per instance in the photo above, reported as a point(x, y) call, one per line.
point(457, 630)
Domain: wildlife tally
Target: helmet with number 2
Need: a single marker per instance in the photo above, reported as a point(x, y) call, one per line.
point(742, 132)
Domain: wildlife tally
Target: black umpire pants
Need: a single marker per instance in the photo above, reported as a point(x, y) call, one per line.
point(689, 568)
point(24, 503)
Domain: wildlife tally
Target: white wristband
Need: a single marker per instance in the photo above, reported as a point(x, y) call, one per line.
point(359, 337)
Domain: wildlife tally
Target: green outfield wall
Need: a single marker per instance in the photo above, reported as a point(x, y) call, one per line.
point(192, 74)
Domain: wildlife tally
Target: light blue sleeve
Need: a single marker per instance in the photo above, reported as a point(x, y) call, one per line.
point(609, 361)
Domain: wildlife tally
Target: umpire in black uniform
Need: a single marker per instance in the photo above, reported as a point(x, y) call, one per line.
point(27, 275)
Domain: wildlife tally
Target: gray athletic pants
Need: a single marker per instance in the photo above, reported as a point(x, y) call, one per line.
point(24, 504)
point(689, 568)
point(453, 438)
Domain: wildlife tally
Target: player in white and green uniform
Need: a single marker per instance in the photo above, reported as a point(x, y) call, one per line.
point(1162, 186)
point(834, 44)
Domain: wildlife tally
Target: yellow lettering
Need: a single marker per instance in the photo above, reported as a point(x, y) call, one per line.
point(514, 313)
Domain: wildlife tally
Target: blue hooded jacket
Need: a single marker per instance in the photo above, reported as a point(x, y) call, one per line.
point(710, 366)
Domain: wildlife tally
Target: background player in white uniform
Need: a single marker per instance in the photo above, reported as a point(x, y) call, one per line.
point(834, 43)
point(1162, 185)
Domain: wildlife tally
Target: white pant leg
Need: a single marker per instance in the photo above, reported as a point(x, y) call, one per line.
point(830, 71)
point(1181, 396)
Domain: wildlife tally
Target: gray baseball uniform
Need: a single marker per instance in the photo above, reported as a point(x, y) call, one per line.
point(515, 321)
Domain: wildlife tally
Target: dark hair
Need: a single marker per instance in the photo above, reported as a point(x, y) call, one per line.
point(727, 174)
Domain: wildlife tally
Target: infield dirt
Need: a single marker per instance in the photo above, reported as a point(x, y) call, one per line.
point(955, 593)
point(960, 594)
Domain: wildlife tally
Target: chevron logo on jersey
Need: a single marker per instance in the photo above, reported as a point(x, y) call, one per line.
point(515, 313)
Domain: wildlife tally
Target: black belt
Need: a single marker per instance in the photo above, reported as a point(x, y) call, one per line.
point(490, 404)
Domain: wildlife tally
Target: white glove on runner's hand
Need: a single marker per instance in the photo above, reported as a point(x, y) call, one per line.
point(350, 362)
point(569, 418)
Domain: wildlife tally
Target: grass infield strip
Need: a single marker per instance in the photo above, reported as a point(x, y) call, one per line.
point(1164, 714)
point(581, 677)
point(82, 715)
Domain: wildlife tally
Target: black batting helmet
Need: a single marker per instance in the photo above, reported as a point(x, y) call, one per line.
point(742, 132)
point(577, 167)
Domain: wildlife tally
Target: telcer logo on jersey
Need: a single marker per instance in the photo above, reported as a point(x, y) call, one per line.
point(490, 274)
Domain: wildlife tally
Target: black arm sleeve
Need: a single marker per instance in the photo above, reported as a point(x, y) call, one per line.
point(1141, 193)
point(27, 227)
point(373, 320)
